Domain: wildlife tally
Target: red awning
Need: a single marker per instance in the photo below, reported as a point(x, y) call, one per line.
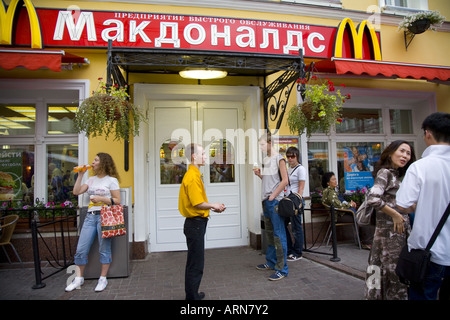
point(37, 59)
point(383, 68)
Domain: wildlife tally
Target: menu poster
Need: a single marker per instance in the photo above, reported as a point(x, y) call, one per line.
point(10, 175)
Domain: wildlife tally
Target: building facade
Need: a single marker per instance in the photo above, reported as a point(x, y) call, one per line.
point(53, 53)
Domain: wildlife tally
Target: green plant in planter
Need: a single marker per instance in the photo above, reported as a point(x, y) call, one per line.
point(320, 110)
point(108, 111)
point(420, 22)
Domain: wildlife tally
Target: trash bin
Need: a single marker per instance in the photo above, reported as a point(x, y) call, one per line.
point(120, 265)
point(263, 235)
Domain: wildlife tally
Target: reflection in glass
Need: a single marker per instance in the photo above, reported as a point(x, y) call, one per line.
point(360, 121)
point(356, 161)
point(61, 159)
point(401, 121)
point(60, 118)
point(17, 174)
point(172, 161)
point(17, 119)
point(318, 164)
point(221, 160)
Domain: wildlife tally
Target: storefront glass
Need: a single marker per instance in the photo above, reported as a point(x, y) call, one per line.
point(17, 174)
point(17, 119)
point(60, 119)
point(318, 164)
point(60, 176)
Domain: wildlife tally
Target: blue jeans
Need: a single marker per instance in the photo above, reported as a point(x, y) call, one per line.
point(295, 248)
point(92, 228)
point(276, 253)
point(433, 281)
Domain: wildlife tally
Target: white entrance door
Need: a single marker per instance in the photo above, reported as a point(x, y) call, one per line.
point(176, 124)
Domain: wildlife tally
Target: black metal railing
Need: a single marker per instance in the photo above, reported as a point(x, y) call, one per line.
point(54, 233)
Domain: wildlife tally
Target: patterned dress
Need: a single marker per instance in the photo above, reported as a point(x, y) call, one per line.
point(381, 281)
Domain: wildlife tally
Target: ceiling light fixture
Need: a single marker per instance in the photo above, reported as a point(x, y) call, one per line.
point(203, 74)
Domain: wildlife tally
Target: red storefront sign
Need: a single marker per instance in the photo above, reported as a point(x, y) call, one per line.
point(61, 28)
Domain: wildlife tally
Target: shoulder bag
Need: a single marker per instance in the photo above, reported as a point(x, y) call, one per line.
point(113, 223)
point(365, 215)
point(290, 205)
point(412, 265)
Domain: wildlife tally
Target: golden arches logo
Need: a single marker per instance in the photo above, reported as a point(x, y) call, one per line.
point(7, 22)
point(357, 36)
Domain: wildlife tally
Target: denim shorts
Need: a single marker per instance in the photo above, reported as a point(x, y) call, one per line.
point(91, 229)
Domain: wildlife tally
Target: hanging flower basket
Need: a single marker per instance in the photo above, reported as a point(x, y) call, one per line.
point(320, 110)
point(108, 112)
point(420, 22)
point(419, 26)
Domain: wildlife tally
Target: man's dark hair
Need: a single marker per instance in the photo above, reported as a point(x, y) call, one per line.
point(438, 124)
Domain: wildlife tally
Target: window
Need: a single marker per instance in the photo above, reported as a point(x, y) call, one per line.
point(318, 163)
point(357, 120)
point(403, 5)
point(39, 146)
point(221, 161)
point(173, 162)
point(401, 121)
point(328, 3)
point(60, 118)
point(17, 119)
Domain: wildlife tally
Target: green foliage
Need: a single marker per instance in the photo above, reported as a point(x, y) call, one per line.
point(108, 112)
point(320, 110)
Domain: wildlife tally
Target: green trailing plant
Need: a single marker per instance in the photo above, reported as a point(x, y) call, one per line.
point(434, 18)
point(320, 110)
point(108, 112)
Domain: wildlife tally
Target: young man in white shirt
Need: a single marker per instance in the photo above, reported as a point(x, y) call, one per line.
point(425, 190)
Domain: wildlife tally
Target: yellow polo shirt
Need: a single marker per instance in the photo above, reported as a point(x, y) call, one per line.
point(192, 193)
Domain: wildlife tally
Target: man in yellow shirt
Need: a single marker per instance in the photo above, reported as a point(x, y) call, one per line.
point(193, 204)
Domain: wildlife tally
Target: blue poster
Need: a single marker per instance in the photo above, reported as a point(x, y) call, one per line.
point(358, 167)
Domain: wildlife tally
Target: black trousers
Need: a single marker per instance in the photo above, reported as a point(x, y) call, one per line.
point(194, 230)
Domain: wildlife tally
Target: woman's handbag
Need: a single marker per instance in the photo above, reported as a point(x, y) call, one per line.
point(365, 214)
point(113, 223)
point(412, 265)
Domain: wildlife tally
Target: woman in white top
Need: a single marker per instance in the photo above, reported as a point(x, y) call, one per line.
point(103, 189)
point(297, 177)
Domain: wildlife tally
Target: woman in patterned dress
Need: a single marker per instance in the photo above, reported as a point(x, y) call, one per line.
point(392, 227)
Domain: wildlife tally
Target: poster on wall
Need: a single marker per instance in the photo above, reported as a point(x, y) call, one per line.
point(282, 143)
point(358, 166)
point(10, 175)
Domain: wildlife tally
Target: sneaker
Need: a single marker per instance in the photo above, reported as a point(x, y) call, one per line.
point(101, 285)
point(76, 284)
point(276, 276)
point(293, 257)
point(264, 266)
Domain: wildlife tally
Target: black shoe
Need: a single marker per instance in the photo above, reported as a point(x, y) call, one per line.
point(201, 296)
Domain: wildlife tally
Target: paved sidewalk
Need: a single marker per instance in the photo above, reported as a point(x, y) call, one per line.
point(230, 274)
